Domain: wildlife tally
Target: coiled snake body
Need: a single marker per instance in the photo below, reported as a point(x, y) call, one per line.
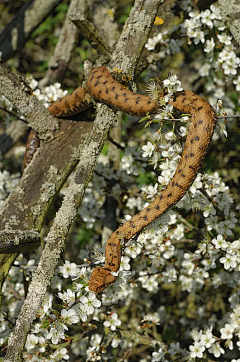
point(104, 88)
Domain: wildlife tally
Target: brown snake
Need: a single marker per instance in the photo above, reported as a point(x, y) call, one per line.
point(104, 88)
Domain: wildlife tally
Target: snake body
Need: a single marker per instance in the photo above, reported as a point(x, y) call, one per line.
point(102, 86)
point(73, 103)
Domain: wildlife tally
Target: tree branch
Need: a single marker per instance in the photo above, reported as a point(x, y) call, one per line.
point(20, 94)
point(91, 34)
point(145, 11)
point(16, 238)
point(59, 62)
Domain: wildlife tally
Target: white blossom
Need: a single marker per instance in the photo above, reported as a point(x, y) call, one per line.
point(90, 302)
point(68, 269)
point(113, 322)
point(216, 349)
point(197, 350)
point(148, 149)
point(210, 44)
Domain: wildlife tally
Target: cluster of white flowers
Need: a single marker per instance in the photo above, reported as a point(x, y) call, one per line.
point(48, 94)
point(199, 28)
point(202, 341)
point(153, 263)
point(76, 309)
point(131, 162)
point(209, 18)
point(167, 45)
point(163, 352)
point(220, 51)
point(91, 208)
point(165, 109)
point(231, 258)
point(215, 199)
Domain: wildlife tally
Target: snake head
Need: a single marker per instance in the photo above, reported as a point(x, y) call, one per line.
point(100, 279)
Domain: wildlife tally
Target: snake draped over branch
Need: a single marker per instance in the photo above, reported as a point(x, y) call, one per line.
point(102, 87)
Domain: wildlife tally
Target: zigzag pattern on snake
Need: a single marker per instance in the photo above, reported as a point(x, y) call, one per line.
point(104, 88)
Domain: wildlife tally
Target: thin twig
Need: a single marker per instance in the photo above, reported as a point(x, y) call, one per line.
point(219, 211)
point(233, 116)
point(116, 143)
point(34, 267)
point(13, 114)
point(185, 222)
point(180, 119)
point(91, 34)
point(183, 241)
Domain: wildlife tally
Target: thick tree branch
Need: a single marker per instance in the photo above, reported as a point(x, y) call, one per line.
point(37, 190)
point(145, 11)
point(19, 93)
point(26, 208)
point(134, 36)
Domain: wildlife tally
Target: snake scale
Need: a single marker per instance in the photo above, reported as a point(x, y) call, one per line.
point(102, 87)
